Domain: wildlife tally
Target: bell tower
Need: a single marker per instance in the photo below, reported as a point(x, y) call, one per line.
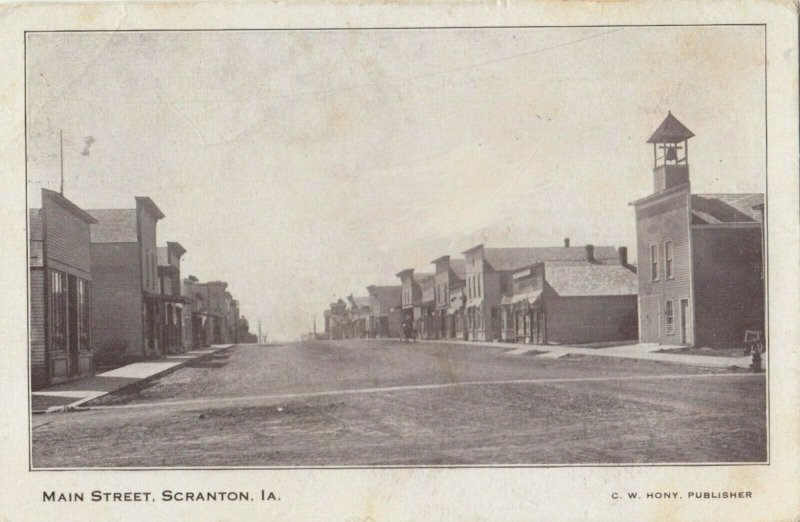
point(670, 154)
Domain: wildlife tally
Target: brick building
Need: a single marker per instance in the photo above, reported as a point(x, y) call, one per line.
point(127, 315)
point(700, 255)
point(60, 292)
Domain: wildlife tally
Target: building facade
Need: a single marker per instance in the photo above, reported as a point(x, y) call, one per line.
point(216, 307)
point(701, 256)
point(172, 300)
point(60, 274)
point(385, 306)
point(575, 302)
point(488, 276)
point(127, 316)
point(448, 278)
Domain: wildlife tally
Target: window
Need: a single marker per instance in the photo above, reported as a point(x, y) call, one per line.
point(654, 262)
point(84, 316)
point(668, 260)
point(670, 316)
point(479, 287)
point(58, 311)
point(146, 268)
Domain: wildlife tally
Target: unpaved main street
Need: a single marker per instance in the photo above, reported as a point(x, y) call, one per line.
point(386, 403)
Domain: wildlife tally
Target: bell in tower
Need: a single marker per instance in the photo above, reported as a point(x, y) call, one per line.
point(670, 154)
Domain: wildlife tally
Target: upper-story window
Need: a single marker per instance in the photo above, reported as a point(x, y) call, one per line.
point(147, 268)
point(654, 262)
point(668, 260)
point(480, 290)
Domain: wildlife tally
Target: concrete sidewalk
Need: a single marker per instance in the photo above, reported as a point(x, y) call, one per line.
point(74, 393)
point(642, 351)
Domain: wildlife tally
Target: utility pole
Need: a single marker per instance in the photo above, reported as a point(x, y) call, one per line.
point(259, 331)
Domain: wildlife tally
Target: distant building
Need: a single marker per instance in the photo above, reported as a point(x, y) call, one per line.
point(194, 315)
point(448, 281)
point(417, 299)
point(700, 255)
point(360, 314)
point(127, 317)
point(385, 303)
point(488, 273)
point(574, 302)
point(216, 308)
point(172, 298)
point(60, 292)
point(337, 320)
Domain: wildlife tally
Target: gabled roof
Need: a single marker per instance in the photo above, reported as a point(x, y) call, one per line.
point(114, 226)
point(502, 259)
point(590, 280)
point(726, 208)
point(670, 131)
point(68, 205)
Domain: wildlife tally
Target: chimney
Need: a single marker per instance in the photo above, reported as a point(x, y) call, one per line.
point(566, 242)
point(590, 253)
point(623, 256)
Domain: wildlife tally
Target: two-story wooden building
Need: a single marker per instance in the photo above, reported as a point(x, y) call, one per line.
point(488, 273)
point(700, 255)
point(60, 292)
point(127, 317)
point(194, 315)
point(412, 299)
point(171, 296)
point(448, 279)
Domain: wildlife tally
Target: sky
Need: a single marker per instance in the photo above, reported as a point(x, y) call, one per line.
point(303, 166)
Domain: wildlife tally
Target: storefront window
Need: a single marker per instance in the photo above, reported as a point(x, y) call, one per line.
point(58, 310)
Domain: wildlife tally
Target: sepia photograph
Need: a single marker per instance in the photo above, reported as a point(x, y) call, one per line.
point(516, 246)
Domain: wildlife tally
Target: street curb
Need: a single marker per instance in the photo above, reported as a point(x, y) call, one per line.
point(555, 348)
point(74, 406)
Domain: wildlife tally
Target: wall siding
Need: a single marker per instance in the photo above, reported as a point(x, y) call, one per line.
point(117, 298)
point(38, 355)
point(729, 290)
point(656, 223)
point(591, 319)
point(67, 236)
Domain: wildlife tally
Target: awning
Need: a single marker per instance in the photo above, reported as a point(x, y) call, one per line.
point(529, 297)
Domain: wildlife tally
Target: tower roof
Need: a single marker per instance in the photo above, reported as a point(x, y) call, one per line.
point(670, 131)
